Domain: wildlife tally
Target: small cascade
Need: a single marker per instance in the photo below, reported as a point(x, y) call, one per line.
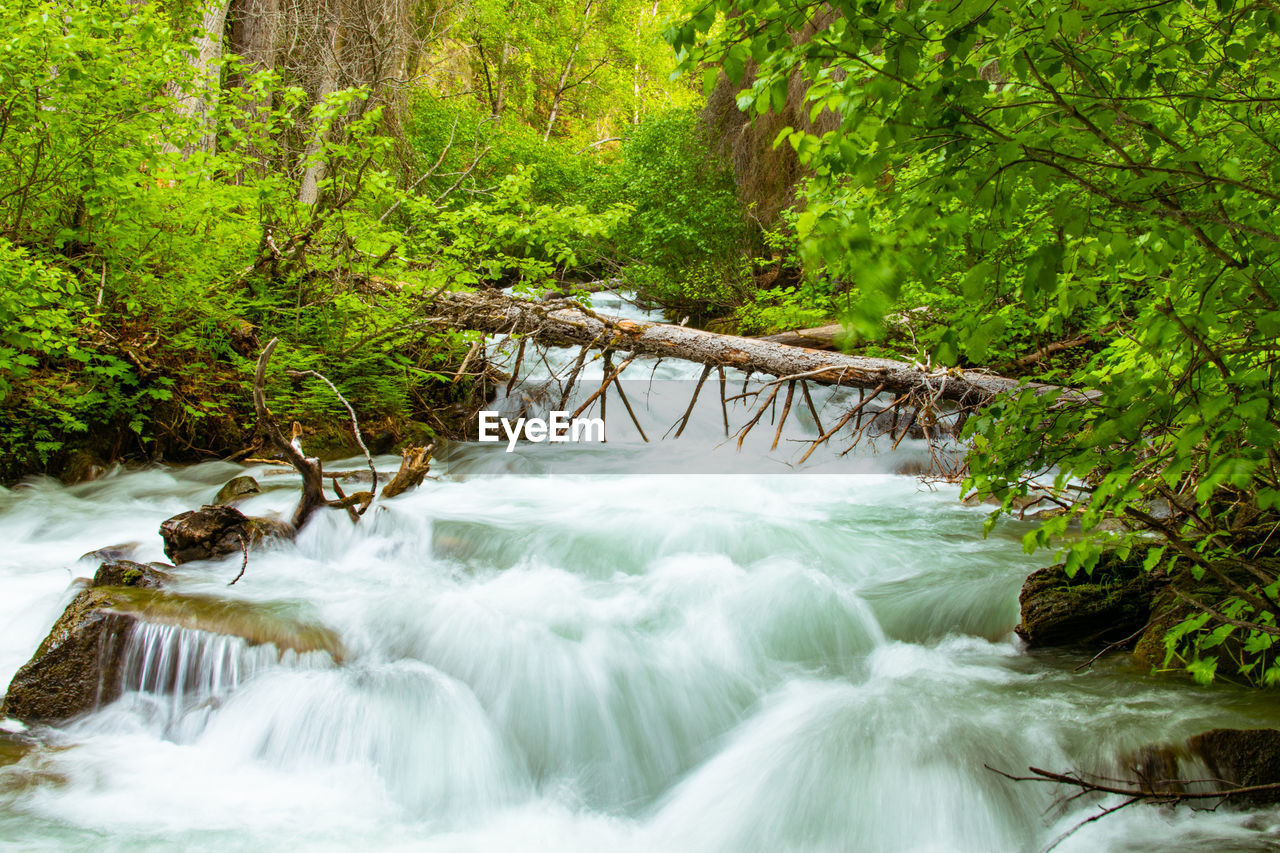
point(180, 670)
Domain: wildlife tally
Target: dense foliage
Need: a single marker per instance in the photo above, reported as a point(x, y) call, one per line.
point(141, 271)
point(1081, 192)
point(1101, 166)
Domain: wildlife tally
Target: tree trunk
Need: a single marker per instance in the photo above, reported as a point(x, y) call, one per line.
point(309, 189)
point(199, 103)
point(255, 32)
point(563, 85)
point(819, 337)
point(559, 324)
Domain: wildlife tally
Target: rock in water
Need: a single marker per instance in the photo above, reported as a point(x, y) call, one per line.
point(1244, 757)
point(212, 532)
point(111, 553)
point(78, 667)
point(1105, 607)
point(236, 489)
point(128, 573)
point(13, 748)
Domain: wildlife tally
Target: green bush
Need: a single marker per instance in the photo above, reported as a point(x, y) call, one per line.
point(463, 132)
point(689, 233)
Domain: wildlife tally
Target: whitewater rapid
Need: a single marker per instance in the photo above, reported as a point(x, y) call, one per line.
point(543, 653)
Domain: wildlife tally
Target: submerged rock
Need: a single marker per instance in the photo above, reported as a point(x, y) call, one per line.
point(123, 551)
point(1106, 607)
point(236, 489)
point(213, 531)
point(257, 623)
point(13, 748)
point(1244, 757)
point(1220, 759)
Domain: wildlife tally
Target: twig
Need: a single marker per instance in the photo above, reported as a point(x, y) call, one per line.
point(515, 371)
point(742, 433)
point(627, 404)
point(471, 353)
point(1098, 787)
point(244, 563)
point(609, 377)
point(786, 409)
point(813, 410)
point(848, 417)
point(1111, 646)
point(355, 424)
point(684, 421)
point(345, 502)
point(1099, 816)
point(573, 377)
point(724, 405)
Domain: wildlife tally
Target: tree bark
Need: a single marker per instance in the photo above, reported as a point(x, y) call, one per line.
point(566, 324)
point(255, 32)
point(818, 337)
point(199, 103)
point(309, 188)
point(563, 85)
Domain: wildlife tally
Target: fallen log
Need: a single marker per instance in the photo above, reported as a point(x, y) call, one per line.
point(566, 323)
point(818, 337)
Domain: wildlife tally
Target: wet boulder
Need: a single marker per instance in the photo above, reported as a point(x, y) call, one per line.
point(1243, 757)
point(76, 668)
point(1108, 606)
point(236, 489)
point(80, 666)
point(212, 532)
point(129, 573)
point(123, 551)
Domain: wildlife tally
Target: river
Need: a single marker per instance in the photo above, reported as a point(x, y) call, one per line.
point(615, 648)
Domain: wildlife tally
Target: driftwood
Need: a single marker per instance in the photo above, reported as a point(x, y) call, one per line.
point(563, 323)
point(1157, 791)
point(310, 469)
point(414, 464)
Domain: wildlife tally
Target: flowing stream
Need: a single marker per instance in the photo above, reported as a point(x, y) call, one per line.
point(595, 648)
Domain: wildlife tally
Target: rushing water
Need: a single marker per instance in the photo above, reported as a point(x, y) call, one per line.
point(547, 654)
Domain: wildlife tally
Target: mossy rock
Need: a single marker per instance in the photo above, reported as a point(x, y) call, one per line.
point(1244, 757)
point(236, 489)
point(129, 573)
point(1167, 610)
point(1112, 603)
point(76, 668)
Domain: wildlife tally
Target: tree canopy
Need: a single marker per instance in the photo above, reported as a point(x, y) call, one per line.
point(1103, 166)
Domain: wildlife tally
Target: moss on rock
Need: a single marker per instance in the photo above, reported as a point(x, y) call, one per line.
point(1111, 604)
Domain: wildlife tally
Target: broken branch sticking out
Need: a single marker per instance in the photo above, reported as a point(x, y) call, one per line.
point(355, 425)
point(310, 469)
